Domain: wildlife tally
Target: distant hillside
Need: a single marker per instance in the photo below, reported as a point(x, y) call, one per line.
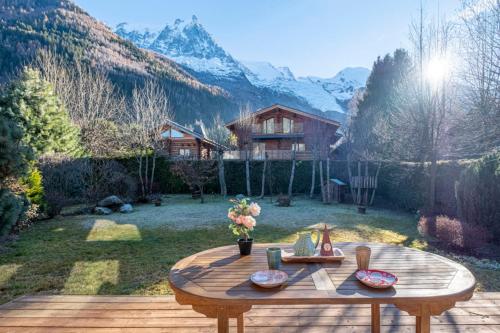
point(26, 25)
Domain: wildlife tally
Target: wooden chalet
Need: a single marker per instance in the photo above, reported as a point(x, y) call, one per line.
point(277, 131)
point(185, 143)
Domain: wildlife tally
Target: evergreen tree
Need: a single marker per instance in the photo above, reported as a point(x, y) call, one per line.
point(372, 126)
point(14, 155)
point(14, 160)
point(45, 121)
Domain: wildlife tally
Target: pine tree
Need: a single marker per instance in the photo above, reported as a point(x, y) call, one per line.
point(45, 121)
point(14, 161)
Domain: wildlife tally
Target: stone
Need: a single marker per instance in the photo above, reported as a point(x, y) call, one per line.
point(126, 208)
point(111, 202)
point(102, 211)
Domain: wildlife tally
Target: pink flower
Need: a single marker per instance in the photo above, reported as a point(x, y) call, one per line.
point(254, 209)
point(249, 222)
point(231, 215)
point(240, 219)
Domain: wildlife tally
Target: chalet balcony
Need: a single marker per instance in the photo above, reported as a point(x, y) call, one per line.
point(259, 132)
point(271, 155)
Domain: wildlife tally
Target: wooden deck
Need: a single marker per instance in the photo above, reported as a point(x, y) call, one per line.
point(112, 314)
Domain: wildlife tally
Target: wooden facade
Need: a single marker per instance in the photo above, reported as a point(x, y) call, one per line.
point(278, 131)
point(184, 143)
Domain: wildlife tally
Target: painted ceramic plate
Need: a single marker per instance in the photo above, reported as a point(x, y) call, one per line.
point(376, 279)
point(269, 278)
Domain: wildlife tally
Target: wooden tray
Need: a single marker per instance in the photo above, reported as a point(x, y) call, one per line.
point(338, 255)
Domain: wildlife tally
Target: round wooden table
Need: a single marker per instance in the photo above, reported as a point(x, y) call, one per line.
point(216, 283)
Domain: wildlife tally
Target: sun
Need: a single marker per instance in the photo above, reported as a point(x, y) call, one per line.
point(437, 70)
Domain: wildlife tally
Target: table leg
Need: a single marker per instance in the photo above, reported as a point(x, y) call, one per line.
point(423, 324)
point(222, 321)
point(241, 323)
point(375, 318)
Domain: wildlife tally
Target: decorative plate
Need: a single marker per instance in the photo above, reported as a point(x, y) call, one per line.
point(376, 279)
point(338, 255)
point(269, 278)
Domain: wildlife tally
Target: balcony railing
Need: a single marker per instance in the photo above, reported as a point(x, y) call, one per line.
point(271, 154)
point(258, 129)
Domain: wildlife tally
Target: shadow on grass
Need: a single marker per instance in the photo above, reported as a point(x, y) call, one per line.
point(65, 258)
point(102, 256)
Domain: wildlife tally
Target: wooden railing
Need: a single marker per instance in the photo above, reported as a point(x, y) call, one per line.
point(278, 129)
point(271, 155)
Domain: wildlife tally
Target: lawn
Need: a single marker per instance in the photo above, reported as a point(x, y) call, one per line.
point(132, 254)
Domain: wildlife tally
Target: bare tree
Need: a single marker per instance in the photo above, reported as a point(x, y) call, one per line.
point(480, 45)
point(320, 137)
point(292, 172)
point(434, 97)
point(313, 139)
point(224, 140)
point(196, 174)
point(92, 101)
point(150, 112)
point(244, 128)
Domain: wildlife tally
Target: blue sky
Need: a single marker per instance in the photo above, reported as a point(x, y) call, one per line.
point(312, 37)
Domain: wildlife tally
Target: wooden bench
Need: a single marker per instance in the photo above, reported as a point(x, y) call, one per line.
point(154, 314)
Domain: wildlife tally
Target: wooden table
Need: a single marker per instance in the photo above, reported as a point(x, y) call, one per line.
point(216, 283)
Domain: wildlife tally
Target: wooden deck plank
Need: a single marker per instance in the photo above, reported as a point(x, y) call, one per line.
point(161, 314)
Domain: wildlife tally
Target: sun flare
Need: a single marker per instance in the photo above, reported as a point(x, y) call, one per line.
point(437, 70)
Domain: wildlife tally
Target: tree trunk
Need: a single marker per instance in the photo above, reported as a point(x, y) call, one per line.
point(153, 166)
point(365, 199)
point(263, 183)
point(321, 184)
point(313, 176)
point(432, 194)
point(140, 177)
point(270, 181)
point(247, 173)
point(353, 194)
point(327, 184)
point(222, 176)
point(376, 183)
point(146, 172)
point(358, 198)
point(292, 175)
point(202, 199)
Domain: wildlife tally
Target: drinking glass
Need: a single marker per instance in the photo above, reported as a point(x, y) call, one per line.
point(363, 257)
point(273, 257)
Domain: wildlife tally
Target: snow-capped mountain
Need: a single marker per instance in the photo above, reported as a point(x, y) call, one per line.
point(189, 44)
point(324, 94)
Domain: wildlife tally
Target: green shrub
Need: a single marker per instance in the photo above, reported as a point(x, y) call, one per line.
point(454, 233)
point(34, 187)
point(12, 208)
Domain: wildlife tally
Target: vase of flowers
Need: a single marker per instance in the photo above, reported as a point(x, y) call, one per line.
point(242, 222)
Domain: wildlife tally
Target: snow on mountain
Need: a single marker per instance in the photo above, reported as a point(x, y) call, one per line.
point(324, 94)
point(189, 44)
point(141, 38)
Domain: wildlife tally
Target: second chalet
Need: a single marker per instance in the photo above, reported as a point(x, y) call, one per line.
point(277, 132)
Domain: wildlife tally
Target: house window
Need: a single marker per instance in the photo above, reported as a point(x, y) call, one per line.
point(184, 152)
point(269, 126)
point(287, 125)
point(299, 147)
point(171, 133)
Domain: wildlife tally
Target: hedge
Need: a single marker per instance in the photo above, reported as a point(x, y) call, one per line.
point(401, 185)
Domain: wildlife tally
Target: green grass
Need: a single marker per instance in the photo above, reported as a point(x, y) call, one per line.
point(132, 254)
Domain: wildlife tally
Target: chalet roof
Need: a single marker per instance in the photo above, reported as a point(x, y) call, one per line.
point(196, 132)
point(289, 109)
